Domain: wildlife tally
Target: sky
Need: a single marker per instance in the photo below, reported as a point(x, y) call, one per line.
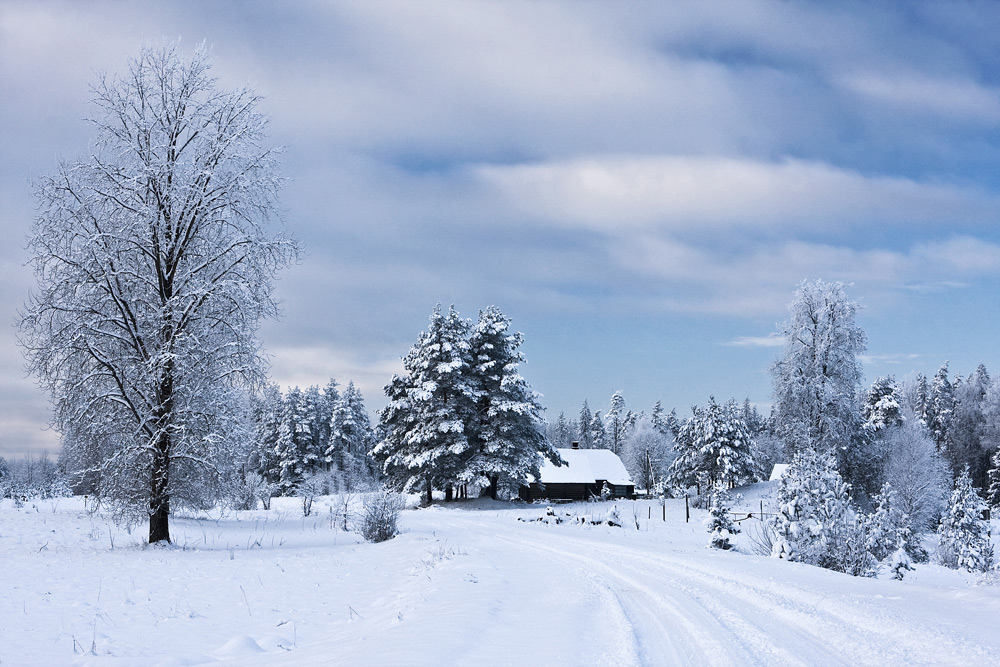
point(639, 186)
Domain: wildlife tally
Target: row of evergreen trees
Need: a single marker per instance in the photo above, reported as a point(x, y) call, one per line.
point(300, 436)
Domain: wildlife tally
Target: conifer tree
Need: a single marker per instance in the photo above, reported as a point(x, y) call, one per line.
point(887, 528)
point(815, 523)
point(351, 437)
point(881, 408)
point(426, 422)
point(941, 406)
point(507, 435)
point(295, 440)
point(963, 537)
point(598, 436)
point(719, 522)
point(583, 427)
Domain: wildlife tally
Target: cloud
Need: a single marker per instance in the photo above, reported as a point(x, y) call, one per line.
point(612, 192)
point(304, 366)
point(754, 281)
point(770, 340)
point(893, 359)
point(915, 92)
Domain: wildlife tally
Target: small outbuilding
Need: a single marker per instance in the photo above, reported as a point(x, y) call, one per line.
point(586, 474)
point(778, 471)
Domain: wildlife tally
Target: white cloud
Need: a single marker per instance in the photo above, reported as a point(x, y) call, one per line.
point(316, 365)
point(770, 340)
point(609, 192)
point(954, 98)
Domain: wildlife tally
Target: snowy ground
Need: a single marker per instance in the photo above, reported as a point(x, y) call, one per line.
point(467, 583)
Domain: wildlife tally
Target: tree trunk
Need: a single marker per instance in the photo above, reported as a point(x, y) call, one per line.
point(449, 493)
point(494, 486)
point(159, 496)
point(430, 495)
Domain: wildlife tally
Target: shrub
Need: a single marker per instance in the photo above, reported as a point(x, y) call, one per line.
point(380, 515)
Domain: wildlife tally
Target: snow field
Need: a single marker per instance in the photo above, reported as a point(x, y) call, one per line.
point(465, 583)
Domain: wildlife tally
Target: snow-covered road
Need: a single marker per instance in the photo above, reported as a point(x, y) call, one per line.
point(468, 583)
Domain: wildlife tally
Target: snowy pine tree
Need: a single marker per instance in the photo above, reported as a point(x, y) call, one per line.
point(351, 438)
point(887, 527)
point(713, 446)
point(881, 408)
point(293, 449)
point(583, 427)
point(719, 522)
point(941, 406)
point(426, 423)
point(507, 437)
point(963, 537)
point(815, 523)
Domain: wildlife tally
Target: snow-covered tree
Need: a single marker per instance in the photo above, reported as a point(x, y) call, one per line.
point(617, 423)
point(561, 433)
point(267, 410)
point(888, 528)
point(818, 377)
point(881, 408)
point(713, 446)
point(719, 522)
point(583, 427)
point(507, 437)
point(426, 422)
point(154, 268)
point(917, 473)
point(351, 438)
point(963, 537)
point(968, 443)
point(293, 450)
point(647, 453)
point(598, 436)
point(815, 521)
point(993, 477)
point(940, 407)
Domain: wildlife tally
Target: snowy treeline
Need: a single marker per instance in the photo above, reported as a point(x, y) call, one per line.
point(460, 414)
point(666, 454)
point(870, 469)
point(32, 476)
point(313, 441)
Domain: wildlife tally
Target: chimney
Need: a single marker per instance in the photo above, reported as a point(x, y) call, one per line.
point(576, 445)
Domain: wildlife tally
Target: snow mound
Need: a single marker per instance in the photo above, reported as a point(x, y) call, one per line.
point(238, 647)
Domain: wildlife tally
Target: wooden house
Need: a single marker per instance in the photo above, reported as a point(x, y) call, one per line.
point(587, 472)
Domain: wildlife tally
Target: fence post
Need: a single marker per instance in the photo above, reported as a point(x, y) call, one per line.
point(687, 510)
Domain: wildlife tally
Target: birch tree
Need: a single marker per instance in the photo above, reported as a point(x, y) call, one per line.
point(154, 267)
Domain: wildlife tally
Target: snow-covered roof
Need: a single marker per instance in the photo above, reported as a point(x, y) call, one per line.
point(778, 471)
point(586, 466)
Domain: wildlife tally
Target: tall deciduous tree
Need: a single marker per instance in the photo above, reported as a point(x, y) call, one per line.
point(817, 378)
point(154, 268)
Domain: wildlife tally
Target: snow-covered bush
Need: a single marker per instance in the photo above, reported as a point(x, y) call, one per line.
point(380, 516)
point(888, 528)
point(815, 523)
point(899, 563)
point(719, 522)
point(963, 539)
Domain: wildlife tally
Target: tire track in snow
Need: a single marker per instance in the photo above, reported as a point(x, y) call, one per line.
point(667, 630)
point(776, 622)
